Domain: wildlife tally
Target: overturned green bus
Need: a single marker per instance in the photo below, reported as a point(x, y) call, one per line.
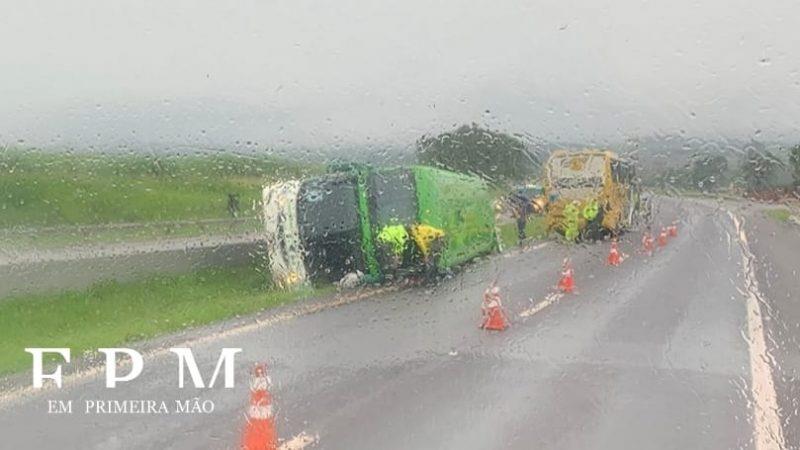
point(322, 228)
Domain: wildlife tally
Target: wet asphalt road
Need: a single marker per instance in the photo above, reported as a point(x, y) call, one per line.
point(655, 353)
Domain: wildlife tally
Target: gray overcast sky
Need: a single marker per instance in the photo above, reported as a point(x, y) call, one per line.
point(314, 73)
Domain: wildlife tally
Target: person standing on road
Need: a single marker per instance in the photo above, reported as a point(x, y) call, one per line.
point(571, 222)
point(430, 243)
point(522, 210)
point(392, 242)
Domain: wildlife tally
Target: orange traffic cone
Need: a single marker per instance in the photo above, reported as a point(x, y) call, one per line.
point(613, 254)
point(647, 243)
point(259, 432)
point(492, 310)
point(567, 282)
point(673, 229)
point(662, 238)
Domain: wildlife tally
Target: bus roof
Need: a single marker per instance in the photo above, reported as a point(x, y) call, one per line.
point(587, 152)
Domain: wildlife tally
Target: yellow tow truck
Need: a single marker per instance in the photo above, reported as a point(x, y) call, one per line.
point(590, 193)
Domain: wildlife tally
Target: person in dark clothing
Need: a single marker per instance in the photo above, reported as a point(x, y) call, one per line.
point(233, 205)
point(430, 242)
point(522, 210)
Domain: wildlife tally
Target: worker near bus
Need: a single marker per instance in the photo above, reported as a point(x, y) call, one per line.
point(571, 223)
point(393, 242)
point(430, 243)
point(522, 209)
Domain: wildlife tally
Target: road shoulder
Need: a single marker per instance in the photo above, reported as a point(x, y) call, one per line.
point(776, 247)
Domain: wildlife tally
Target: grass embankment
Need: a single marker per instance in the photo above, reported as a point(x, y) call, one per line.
point(781, 215)
point(111, 314)
point(68, 189)
point(534, 229)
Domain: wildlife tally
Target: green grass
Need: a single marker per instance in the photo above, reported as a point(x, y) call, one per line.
point(110, 314)
point(534, 229)
point(42, 189)
point(781, 215)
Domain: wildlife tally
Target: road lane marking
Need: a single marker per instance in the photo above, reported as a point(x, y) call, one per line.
point(518, 251)
point(768, 429)
point(539, 246)
point(299, 442)
point(11, 396)
point(548, 300)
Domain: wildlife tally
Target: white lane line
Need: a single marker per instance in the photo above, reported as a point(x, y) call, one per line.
point(549, 300)
point(299, 442)
point(768, 429)
point(11, 396)
point(519, 251)
point(539, 246)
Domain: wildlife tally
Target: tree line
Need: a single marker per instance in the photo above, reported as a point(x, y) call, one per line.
point(753, 169)
point(497, 157)
point(503, 159)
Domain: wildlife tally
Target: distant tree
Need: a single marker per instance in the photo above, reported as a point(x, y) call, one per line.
point(758, 167)
point(670, 178)
point(708, 172)
point(794, 160)
point(494, 156)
